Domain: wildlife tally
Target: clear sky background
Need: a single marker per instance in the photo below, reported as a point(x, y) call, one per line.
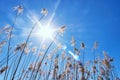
point(86, 20)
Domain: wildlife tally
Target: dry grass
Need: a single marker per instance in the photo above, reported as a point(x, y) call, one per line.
point(51, 62)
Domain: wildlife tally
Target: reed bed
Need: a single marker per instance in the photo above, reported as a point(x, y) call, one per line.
point(52, 61)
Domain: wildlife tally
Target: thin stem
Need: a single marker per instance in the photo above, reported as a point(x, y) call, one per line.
point(9, 43)
point(4, 59)
point(49, 70)
point(76, 72)
point(25, 46)
point(94, 63)
point(35, 64)
point(27, 61)
point(45, 54)
point(83, 63)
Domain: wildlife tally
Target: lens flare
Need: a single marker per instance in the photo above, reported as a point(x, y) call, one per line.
point(76, 57)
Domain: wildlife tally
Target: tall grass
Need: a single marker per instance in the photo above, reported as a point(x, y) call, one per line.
point(55, 63)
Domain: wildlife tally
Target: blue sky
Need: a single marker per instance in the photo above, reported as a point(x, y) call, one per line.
point(86, 20)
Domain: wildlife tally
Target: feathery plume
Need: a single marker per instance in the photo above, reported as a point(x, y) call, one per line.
point(95, 45)
point(62, 30)
point(2, 43)
point(19, 9)
point(7, 28)
point(44, 11)
point(73, 41)
point(26, 51)
point(3, 69)
point(44, 47)
point(76, 51)
point(82, 45)
point(34, 49)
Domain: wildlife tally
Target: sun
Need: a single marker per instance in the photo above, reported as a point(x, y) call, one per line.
point(46, 32)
